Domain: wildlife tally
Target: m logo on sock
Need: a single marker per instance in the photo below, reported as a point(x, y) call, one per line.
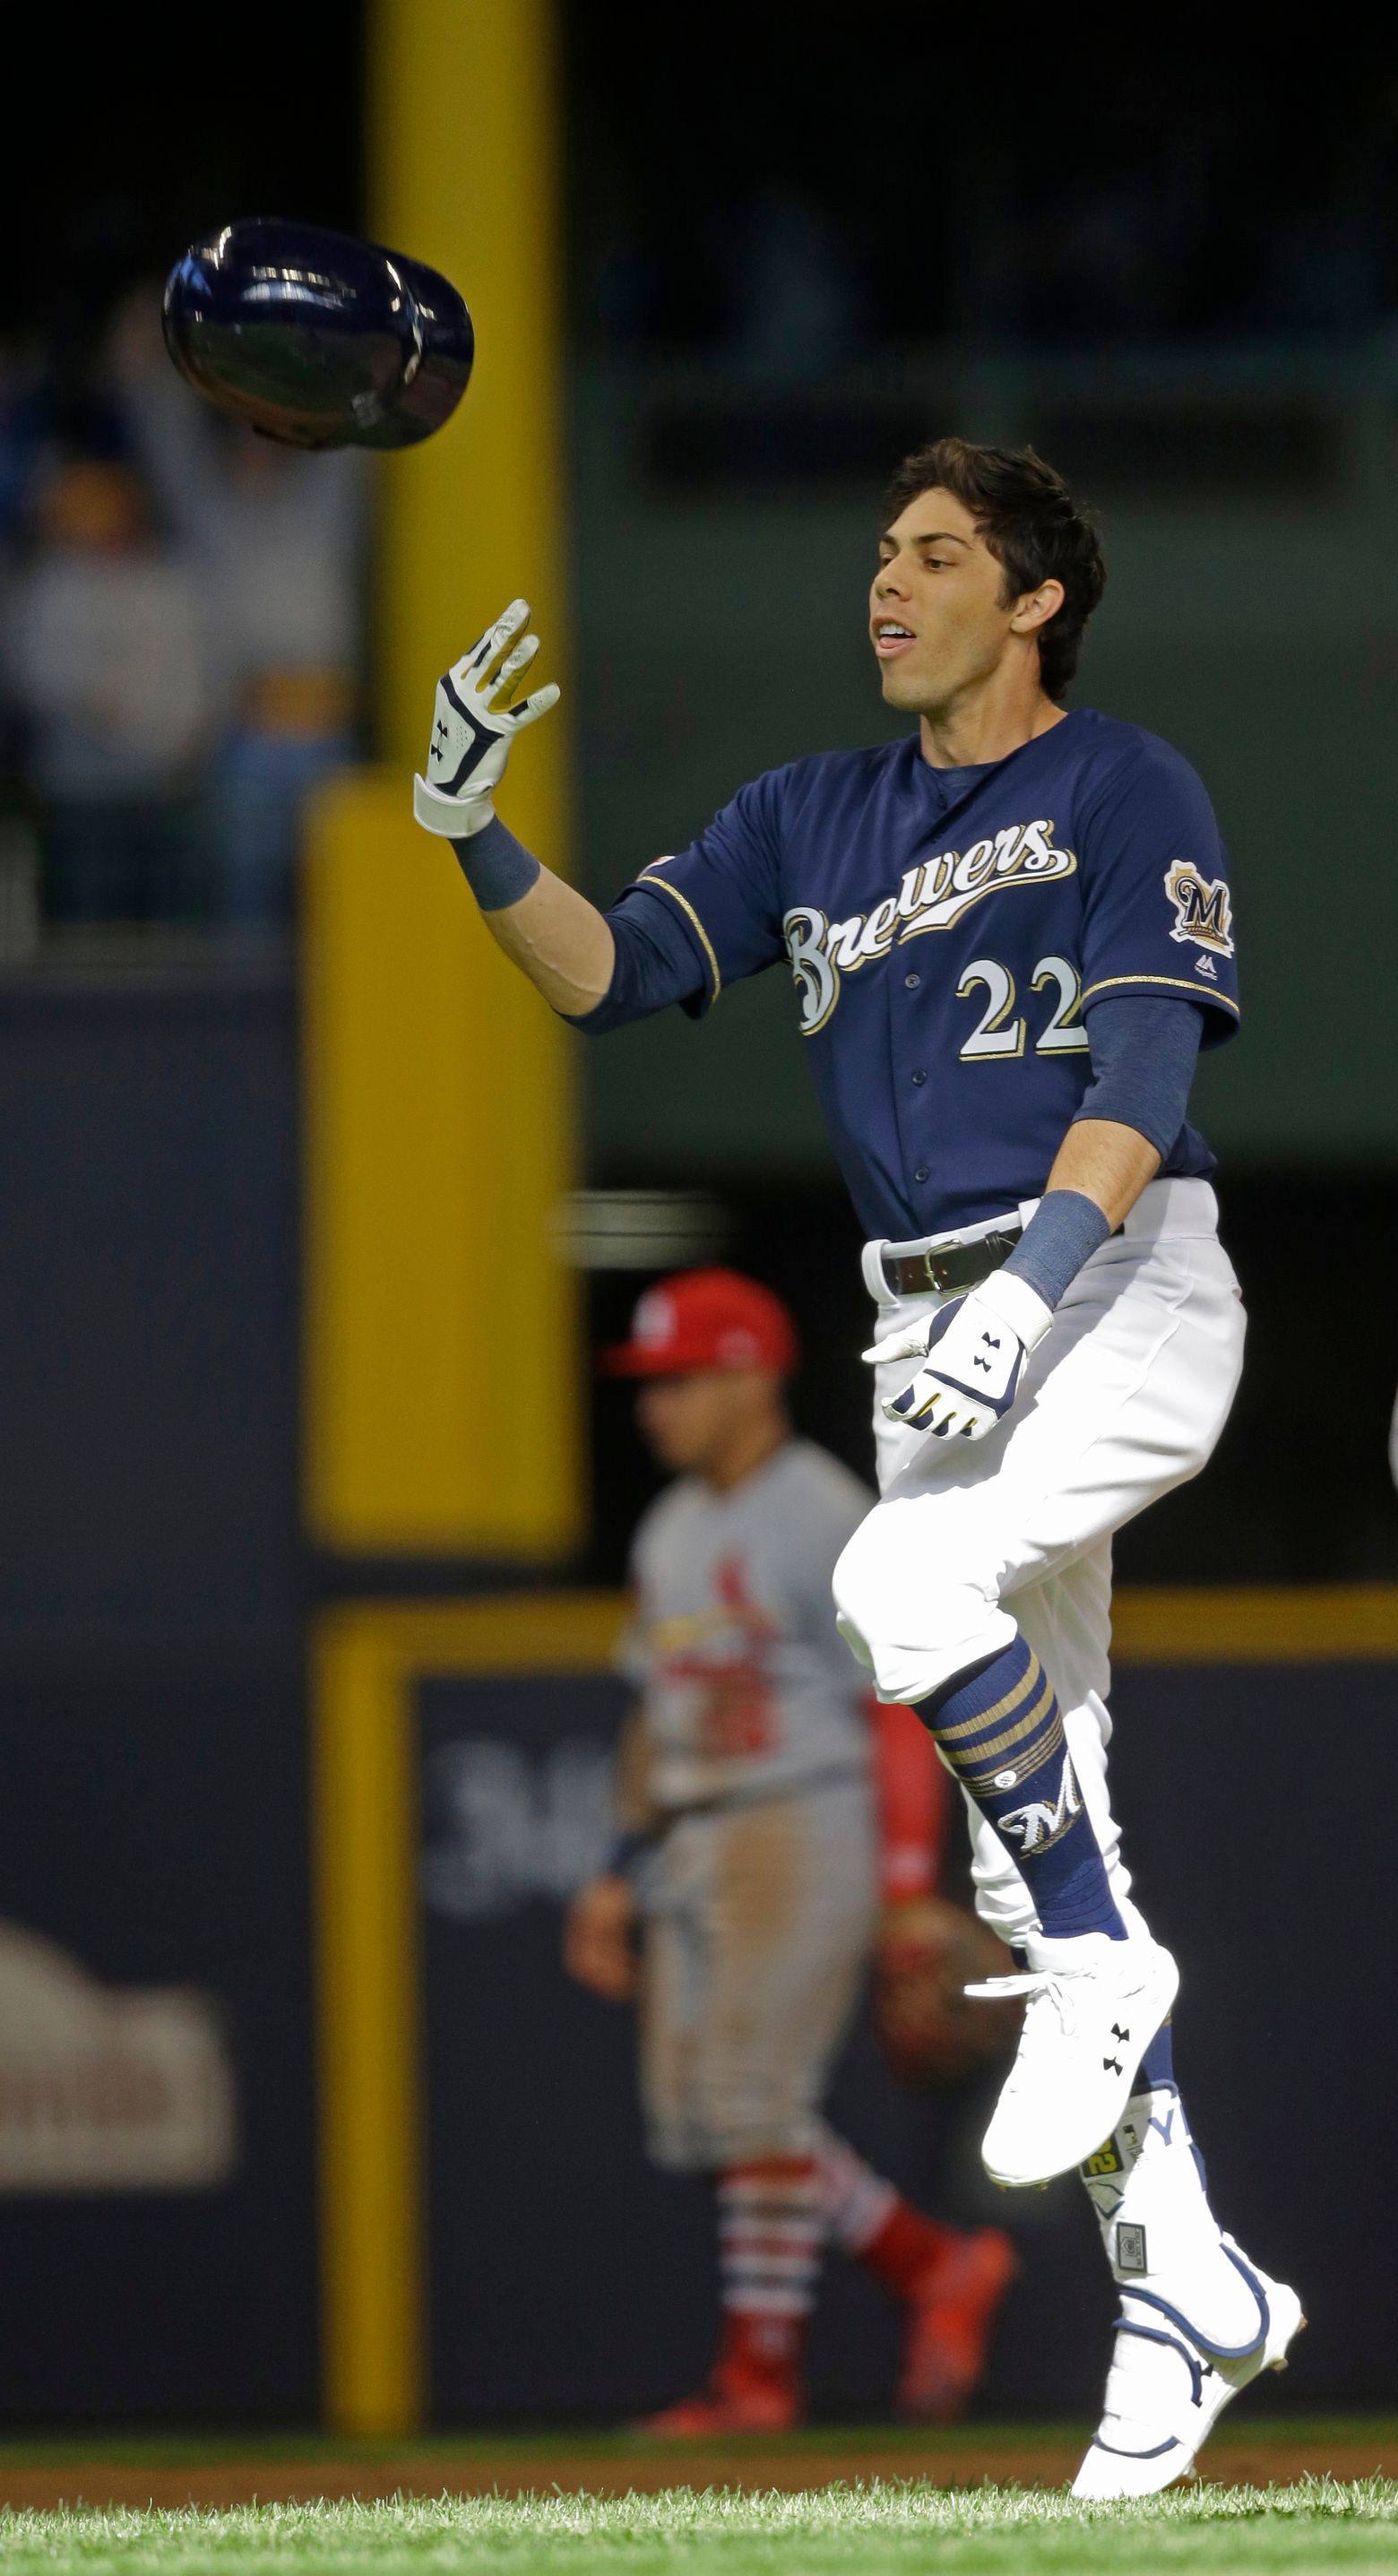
point(1040, 1824)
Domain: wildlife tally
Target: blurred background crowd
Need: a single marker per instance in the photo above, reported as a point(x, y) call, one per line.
point(183, 623)
point(801, 268)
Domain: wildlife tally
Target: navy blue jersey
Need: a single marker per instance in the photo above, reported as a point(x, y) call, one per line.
point(945, 932)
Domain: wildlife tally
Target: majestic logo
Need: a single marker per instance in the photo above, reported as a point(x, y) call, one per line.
point(1040, 1823)
point(1203, 913)
point(931, 896)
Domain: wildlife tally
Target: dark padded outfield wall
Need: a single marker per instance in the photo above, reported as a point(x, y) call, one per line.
point(156, 2114)
point(1260, 1804)
point(569, 2280)
point(148, 1182)
point(156, 2138)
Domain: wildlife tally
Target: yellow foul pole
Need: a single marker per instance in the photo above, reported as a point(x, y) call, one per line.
point(438, 1086)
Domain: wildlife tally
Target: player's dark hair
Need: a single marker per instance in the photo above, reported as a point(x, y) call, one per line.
point(1031, 524)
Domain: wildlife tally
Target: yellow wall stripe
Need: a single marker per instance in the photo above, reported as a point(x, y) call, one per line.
point(368, 1984)
point(1259, 1624)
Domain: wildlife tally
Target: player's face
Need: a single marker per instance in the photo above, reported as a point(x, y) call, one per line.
point(937, 620)
point(691, 1422)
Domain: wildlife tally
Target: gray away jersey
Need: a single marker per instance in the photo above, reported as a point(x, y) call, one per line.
point(748, 1687)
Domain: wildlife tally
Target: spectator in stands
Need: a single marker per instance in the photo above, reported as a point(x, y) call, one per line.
point(278, 535)
point(21, 423)
point(109, 676)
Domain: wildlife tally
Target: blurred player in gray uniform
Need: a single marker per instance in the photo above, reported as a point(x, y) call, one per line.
point(749, 1850)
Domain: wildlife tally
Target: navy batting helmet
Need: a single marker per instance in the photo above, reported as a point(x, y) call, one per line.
point(317, 339)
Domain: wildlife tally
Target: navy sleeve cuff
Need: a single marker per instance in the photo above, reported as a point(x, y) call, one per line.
point(657, 962)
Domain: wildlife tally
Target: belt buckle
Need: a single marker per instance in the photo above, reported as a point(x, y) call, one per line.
point(955, 1266)
point(916, 1274)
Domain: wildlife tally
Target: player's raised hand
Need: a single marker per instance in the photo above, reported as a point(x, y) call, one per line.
point(973, 1351)
point(473, 725)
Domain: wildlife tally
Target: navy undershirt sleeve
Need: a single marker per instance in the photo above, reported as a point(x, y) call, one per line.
point(658, 961)
point(1143, 1053)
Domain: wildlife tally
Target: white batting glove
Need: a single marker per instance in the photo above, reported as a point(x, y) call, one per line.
point(974, 1349)
point(473, 725)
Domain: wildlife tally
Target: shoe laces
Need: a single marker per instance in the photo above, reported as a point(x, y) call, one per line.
point(1039, 1987)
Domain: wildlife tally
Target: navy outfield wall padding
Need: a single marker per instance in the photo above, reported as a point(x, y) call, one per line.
point(157, 2142)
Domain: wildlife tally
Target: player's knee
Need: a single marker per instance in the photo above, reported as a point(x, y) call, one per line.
point(915, 1625)
point(857, 1583)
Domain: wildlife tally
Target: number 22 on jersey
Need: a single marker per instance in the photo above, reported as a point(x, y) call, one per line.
point(999, 1032)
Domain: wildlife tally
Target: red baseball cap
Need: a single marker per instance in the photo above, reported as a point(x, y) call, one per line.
point(705, 1319)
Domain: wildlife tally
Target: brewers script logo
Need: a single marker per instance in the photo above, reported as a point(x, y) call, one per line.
point(931, 897)
point(1203, 915)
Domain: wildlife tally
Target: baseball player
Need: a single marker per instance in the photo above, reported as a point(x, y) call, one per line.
point(746, 1796)
point(1010, 932)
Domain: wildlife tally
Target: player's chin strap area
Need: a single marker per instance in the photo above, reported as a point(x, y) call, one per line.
point(944, 1265)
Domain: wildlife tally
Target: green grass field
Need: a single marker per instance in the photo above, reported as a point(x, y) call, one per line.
point(863, 2530)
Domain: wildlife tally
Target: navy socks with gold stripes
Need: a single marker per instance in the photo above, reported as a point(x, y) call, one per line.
point(1001, 1729)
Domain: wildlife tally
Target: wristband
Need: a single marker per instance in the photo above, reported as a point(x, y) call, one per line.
point(497, 868)
point(1064, 1231)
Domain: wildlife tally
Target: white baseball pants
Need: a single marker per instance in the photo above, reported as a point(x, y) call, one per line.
point(1124, 1398)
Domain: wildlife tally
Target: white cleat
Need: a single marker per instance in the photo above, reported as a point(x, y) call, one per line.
point(1094, 2006)
point(1166, 2389)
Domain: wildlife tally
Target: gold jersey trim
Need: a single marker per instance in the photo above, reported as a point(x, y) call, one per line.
point(646, 878)
point(1177, 984)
